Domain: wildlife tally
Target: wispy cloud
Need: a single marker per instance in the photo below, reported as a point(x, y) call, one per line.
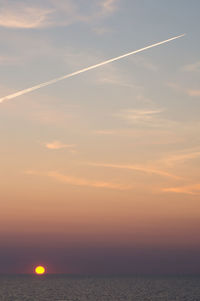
point(109, 5)
point(192, 67)
point(36, 14)
point(193, 189)
point(112, 78)
point(101, 30)
point(182, 157)
point(140, 168)
point(106, 132)
point(22, 15)
point(193, 93)
point(56, 145)
point(188, 91)
point(143, 136)
point(50, 114)
point(144, 62)
point(6, 60)
point(145, 117)
point(76, 181)
point(140, 115)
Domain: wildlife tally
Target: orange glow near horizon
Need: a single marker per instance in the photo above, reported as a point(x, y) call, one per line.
point(40, 270)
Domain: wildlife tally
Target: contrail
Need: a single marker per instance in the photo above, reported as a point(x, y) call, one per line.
point(53, 81)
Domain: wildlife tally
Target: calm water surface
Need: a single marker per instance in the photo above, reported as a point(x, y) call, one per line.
point(64, 288)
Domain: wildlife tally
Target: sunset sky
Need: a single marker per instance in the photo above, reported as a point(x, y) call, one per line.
point(100, 173)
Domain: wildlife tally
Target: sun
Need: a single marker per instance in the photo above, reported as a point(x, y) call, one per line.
point(40, 270)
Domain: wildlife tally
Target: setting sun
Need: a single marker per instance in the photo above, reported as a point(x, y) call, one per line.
point(40, 270)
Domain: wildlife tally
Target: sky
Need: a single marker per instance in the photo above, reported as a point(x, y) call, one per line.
point(100, 172)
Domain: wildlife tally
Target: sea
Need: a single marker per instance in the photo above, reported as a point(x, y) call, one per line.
point(68, 288)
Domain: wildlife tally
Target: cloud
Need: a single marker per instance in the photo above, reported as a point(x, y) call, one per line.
point(144, 62)
point(140, 168)
point(49, 113)
point(144, 136)
point(110, 76)
point(188, 91)
point(193, 93)
point(174, 86)
point(6, 60)
point(56, 145)
point(106, 132)
point(109, 5)
point(46, 13)
point(76, 181)
point(192, 67)
point(190, 189)
point(100, 30)
point(182, 157)
point(144, 117)
point(21, 15)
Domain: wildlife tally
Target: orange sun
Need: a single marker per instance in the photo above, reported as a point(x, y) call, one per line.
point(40, 270)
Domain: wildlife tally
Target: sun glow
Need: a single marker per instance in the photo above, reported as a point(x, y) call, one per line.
point(40, 270)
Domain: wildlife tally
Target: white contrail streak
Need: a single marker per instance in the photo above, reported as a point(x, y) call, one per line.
point(53, 81)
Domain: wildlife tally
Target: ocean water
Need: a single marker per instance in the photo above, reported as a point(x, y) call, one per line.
point(65, 288)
